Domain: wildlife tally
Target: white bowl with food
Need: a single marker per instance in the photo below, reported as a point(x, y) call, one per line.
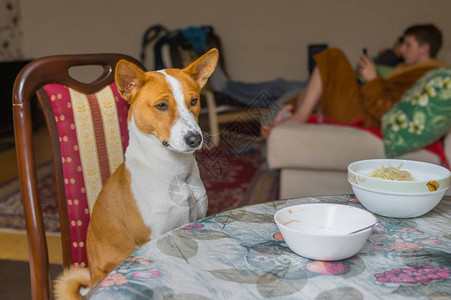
point(324, 231)
point(398, 188)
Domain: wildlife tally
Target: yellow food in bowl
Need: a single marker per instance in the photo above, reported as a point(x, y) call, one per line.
point(391, 173)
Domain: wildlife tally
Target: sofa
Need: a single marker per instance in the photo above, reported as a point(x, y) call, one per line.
point(313, 158)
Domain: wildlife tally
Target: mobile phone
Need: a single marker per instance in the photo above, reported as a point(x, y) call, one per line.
point(365, 51)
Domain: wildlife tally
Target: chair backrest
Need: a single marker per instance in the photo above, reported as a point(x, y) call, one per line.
point(88, 133)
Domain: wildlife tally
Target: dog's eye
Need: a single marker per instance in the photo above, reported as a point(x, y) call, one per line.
point(194, 101)
point(162, 106)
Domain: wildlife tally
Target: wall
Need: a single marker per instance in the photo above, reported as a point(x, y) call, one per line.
point(10, 31)
point(262, 39)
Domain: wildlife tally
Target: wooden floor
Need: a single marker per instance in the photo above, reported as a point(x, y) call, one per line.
point(14, 267)
point(15, 279)
point(13, 244)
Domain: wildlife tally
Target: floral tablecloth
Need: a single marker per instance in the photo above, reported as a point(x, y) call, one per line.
point(240, 254)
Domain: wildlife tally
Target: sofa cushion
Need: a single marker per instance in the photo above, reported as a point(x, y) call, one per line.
point(421, 117)
point(303, 183)
point(447, 146)
point(327, 147)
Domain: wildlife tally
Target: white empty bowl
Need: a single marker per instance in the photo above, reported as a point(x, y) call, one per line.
point(320, 231)
point(399, 199)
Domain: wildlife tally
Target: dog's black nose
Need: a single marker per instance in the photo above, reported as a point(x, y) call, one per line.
point(193, 139)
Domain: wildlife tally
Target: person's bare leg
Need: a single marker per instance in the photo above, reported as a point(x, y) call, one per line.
point(310, 100)
point(306, 104)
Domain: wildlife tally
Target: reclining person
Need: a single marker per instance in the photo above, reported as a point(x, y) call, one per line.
point(334, 87)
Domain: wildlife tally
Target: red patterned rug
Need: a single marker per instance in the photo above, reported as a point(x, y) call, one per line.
point(233, 174)
point(236, 179)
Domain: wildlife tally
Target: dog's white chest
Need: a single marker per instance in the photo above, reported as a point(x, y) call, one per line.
point(166, 186)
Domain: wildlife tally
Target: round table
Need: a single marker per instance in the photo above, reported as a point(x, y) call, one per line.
point(240, 254)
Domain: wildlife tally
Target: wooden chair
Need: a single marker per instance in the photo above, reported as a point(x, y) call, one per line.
point(88, 132)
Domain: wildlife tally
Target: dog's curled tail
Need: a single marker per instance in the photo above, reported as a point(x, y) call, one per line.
point(72, 284)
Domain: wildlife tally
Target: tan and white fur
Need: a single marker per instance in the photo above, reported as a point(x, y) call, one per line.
point(158, 187)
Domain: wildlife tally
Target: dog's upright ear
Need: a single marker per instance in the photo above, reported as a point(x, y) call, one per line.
point(203, 67)
point(129, 78)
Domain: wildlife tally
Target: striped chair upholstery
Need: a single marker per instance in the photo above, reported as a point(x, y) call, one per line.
point(93, 136)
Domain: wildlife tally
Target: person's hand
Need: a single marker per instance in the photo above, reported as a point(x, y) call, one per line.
point(367, 68)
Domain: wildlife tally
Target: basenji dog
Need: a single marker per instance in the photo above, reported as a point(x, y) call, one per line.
point(158, 187)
